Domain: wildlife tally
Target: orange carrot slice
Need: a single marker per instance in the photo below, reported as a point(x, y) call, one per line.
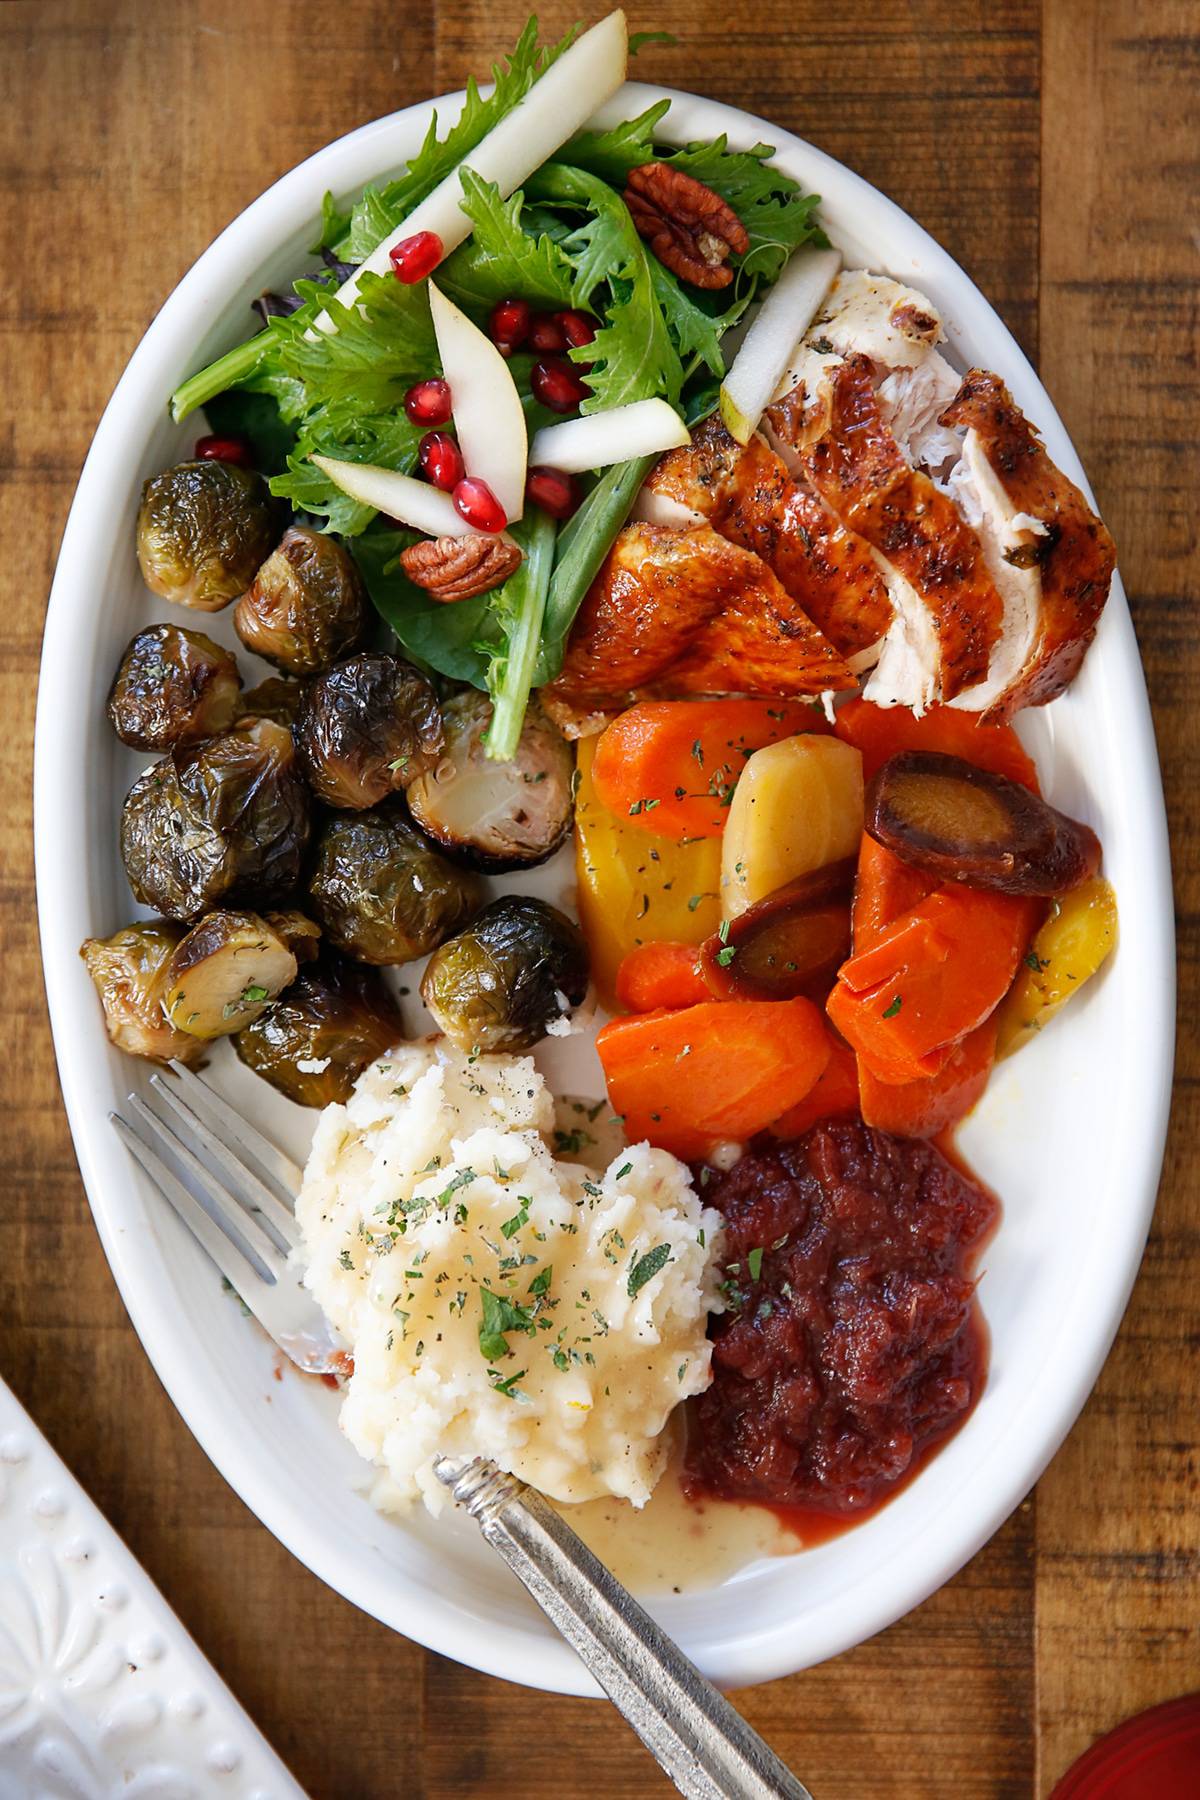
point(661, 975)
point(883, 731)
point(670, 766)
point(721, 1070)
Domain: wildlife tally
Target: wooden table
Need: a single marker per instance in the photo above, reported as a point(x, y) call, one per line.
point(1053, 149)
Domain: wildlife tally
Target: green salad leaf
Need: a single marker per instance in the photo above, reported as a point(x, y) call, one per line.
point(381, 209)
point(613, 153)
point(632, 356)
point(502, 257)
point(777, 213)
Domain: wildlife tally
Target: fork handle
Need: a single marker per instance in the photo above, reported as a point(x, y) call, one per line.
point(697, 1737)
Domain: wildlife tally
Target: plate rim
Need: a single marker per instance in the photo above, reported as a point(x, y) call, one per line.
point(448, 1628)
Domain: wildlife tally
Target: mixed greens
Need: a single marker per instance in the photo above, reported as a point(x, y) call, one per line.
point(329, 379)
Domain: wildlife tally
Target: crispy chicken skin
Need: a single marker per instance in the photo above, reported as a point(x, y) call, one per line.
point(678, 612)
point(750, 499)
point(1075, 556)
point(853, 462)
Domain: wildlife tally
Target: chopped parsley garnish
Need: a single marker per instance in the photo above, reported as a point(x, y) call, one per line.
point(511, 1226)
point(891, 1011)
point(726, 956)
point(625, 1169)
point(541, 1282)
point(501, 1315)
point(754, 1259)
point(645, 1268)
point(1035, 962)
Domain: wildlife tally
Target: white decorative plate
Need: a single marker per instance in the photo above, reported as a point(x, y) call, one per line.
point(103, 1695)
point(1070, 1133)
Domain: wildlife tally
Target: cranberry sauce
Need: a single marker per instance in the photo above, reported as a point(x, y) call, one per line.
point(849, 1346)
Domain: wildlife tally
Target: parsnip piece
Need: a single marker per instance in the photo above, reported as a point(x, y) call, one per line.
point(797, 806)
point(224, 973)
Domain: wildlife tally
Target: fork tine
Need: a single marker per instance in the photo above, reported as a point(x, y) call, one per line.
point(238, 1271)
point(262, 1199)
point(226, 1212)
point(224, 1119)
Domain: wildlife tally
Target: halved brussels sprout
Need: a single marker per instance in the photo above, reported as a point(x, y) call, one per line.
point(306, 606)
point(203, 528)
point(172, 687)
point(129, 973)
point(368, 729)
point(496, 815)
point(275, 699)
point(502, 983)
point(382, 894)
point(224, 972)
point(315, 1042)
point(225, 820)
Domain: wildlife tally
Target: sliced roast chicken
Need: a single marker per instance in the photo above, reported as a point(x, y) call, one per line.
point(677, 611)
point(890, 521)
point(749, 497)
point(996, 567)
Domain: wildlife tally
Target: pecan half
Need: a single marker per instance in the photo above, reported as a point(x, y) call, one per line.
point(689, 228)
point(457, 568)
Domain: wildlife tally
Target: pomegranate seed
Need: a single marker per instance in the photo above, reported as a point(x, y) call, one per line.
point(475, 502)
point(441, 460)
point(576, 327)
point(553, 490)
point(509, 324)
point(219, 449)
point(546, 335)
point(557, 384)
point(413, 258)
point(428, 403)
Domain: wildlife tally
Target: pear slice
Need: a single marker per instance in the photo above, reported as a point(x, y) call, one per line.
point(786, 314)
point(556, 106)
point(488, 416)
point(643, 428)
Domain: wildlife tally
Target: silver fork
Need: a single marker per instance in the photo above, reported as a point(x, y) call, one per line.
point(245, 1222)
point(700, 1740)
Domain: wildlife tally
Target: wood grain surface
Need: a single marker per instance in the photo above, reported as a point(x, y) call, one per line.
point(1054, 149)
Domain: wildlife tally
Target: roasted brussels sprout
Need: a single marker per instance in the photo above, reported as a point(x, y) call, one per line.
point(384, 895)
point(225, 820)
point(502, 983)
point(367, 729)
point(129, 972)
point(203, 528)
point(173, 687)
point(496, 815)
point(273, 699)
point(306, 606)
point(301, 936)
point(224, 972)
point(316, 1040)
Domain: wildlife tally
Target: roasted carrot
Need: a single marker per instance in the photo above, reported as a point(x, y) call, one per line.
point(883, 731)
point(920, 1109)
point(884, 888)
point(670, 766)
point(661, 975)
point(835, 1095)
point(721, 1070)
point(931, 976)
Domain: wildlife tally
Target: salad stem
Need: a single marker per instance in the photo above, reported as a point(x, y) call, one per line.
point(583, 543)
point(524, 600)
point(236, 365)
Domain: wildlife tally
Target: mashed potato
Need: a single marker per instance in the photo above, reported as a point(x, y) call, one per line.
point(499, 1302)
